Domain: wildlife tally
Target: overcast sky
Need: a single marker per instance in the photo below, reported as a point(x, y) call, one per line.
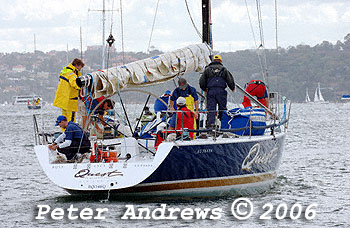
point(56, 23)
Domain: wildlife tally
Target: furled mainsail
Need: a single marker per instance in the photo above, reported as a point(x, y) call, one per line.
point(151, 70)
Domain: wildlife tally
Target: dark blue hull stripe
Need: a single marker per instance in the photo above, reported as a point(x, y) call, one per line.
point(219, 160)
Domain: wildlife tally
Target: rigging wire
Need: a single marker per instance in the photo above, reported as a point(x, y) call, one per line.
point(277, 49)
point(255, 43)
point(262, 42)
point(111, 29)
point(192, 21)
point(106, 77)
point(276, 25)
point(154, 21)
point(110, 32)
point(122, 30)
point(258, 9)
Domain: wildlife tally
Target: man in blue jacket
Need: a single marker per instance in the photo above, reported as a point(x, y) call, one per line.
point(214, 81)
point(189, 93)
point(72, 141)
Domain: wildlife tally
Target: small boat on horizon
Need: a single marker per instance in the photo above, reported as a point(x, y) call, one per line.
point(23, 99)
point(345, 98)
point(36, 103)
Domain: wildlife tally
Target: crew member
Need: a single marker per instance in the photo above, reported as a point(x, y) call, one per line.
point(258, 89)
point(68, 88)
point(146, 117)
point(107, 105)
point(214, 81)
point(184, 117)
point(72, 141)
point(189, 93)
point(159, 105)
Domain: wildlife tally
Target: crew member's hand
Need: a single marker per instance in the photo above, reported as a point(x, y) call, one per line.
point(53, 147)
point(233, 90)
point(196, 114)
point(274, 117)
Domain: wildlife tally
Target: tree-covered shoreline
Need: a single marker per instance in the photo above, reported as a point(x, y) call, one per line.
point(290, 70)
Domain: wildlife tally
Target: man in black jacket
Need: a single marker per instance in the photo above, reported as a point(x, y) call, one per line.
point(214, 81)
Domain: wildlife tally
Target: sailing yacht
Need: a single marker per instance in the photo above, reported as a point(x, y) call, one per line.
point(224, 162)
point(318, 96)
point(307, 98)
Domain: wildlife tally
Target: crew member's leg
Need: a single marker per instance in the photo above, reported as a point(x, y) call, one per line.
point(222, 101)
point(70, 115)
point(68, 151)
point(76, 146)
point(211, 106)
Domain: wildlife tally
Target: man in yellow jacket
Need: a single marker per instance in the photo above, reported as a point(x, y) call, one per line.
point(67, 91)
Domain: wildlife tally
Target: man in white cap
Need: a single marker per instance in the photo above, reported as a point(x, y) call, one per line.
point(184, 118)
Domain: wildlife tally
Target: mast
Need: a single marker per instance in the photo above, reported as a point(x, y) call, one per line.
point(34, 44)
point(206, 23)
point(81, 44)
point(103, 31)
point(67, 55)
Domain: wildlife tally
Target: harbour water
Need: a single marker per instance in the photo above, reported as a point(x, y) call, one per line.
point(315, 168)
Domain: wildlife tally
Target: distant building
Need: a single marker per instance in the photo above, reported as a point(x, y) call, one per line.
point(99, 48)
point(3, 67)
point(52, 53)
point(18, 68)
point(94, 47)
point(44, 75)
point(11, 89)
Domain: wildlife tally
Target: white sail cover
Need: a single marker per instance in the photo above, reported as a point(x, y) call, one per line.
point(151, 70)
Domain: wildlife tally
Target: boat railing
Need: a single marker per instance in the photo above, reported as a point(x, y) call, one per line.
point(275, 123)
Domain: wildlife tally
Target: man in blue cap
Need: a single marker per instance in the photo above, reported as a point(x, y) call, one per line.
point(72, 141)
point(159, 105)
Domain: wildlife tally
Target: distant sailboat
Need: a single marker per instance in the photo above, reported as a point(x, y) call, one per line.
point(318, 96)
point(307, 99)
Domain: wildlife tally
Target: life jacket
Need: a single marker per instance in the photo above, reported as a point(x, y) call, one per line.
point(185, 119)
point(90, 104)
point(255, 88)
point(189, 101)
point(67, 91)
point(217, 73)
point(159, 105)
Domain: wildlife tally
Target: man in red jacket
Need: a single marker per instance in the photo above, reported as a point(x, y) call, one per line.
point(184, 117)
point(258, 89)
